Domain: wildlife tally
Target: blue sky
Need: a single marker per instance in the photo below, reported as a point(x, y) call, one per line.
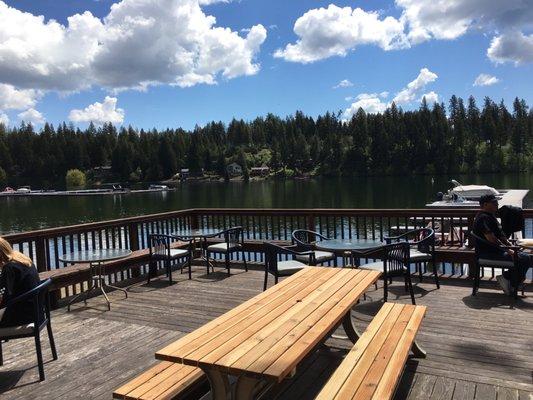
point(453, 53)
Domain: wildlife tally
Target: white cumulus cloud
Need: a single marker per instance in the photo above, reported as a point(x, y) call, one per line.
point(512, 47)
point(375, 102)
point(138, 44)
point(343, 84)
point(370, 102)
point(4, 119)
point(334, 31)
point(485, 80)
point(430, 97)
point(413, 88)
point(14, 99)
point(99, 113)
point(31, 116)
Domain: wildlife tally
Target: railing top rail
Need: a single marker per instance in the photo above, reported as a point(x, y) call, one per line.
point(310, 212)
point(69, 229)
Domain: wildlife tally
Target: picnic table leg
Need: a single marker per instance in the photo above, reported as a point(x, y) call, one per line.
point(246, 387)
point(418, 352)
point(219, 382)
point(349, 328)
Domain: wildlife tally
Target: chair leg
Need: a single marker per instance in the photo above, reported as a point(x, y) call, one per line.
point(207, 261)
point(385, 288)
point(410, 285)
point(475, 284)
point(39, 355)
point(335, 263)
point(266, 280)
point(244, 260)
point(169, 271)
point(227, 255)
point(150, 269)
point(420, 275)
point(1, 355)
point(51, 339)
point(190, 266)
point(436, 273)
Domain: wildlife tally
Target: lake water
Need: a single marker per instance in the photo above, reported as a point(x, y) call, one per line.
point(28, 213)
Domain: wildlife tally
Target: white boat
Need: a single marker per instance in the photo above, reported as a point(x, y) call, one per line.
point(158, 187)
point(472, 192)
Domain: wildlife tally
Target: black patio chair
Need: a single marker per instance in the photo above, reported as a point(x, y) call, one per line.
point(422, 250)
point(484, 261)
point(41, 318)
point(161, 250)
point(304, 240)
point(280, 268)
point(233, 243)
point(395, 263)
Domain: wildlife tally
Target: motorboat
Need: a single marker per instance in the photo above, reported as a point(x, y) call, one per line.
point(472, 192)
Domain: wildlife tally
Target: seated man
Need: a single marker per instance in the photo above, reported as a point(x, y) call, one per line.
point(487, 227)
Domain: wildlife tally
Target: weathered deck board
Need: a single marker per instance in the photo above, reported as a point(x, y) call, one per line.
point(478, 348)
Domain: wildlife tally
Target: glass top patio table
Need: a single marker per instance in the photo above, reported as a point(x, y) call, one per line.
point(198, 233)
point(359, 245)
point(94, 256)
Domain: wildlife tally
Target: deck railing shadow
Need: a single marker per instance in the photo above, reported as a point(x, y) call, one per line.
point(490, 299)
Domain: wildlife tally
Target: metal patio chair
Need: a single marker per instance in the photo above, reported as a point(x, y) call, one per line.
point(161, 251)
point(233, 243)
point(304, 240)
point(279, 268)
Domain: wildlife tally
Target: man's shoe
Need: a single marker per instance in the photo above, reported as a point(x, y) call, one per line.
point(505, 284)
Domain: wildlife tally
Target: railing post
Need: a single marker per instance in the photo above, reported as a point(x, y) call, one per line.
point(311, 223)
point(40, 250)
point(133, 234)
point(195, 218)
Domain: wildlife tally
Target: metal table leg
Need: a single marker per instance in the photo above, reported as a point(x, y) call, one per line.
point(245, 387)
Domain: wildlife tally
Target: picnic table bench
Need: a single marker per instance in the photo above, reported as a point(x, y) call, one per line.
point(374, 365)
point(261, 342)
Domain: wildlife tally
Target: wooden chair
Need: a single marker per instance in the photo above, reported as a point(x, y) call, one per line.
point(422, 251)
point(483, 261)
point(280, 268)
point(233, 243)
point(41, 318)
point(304, 240)
point(395, 263)
point(161, 250)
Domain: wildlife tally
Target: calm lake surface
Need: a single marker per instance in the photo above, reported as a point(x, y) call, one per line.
point(28, 213)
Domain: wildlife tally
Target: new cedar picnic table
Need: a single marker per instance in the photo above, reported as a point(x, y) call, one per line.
point(261, 342)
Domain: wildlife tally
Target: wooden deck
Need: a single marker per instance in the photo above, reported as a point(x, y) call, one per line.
point(478, 348)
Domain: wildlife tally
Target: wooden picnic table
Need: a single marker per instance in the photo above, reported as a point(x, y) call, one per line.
point(260, 342)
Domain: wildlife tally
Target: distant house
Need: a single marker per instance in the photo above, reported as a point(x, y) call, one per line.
point(184, 174)
point(101, 173)
point(234, 169)
point(259, 171)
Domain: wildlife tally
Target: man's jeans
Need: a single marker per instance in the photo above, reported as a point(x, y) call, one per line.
point(515, 275)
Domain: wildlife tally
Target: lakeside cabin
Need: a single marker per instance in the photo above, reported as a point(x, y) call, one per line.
point(240, 313)
point(260, 171)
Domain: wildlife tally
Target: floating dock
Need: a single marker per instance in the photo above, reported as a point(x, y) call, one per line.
point(509, 197)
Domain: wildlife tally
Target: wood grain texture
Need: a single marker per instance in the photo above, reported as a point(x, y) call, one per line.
point(479, 343)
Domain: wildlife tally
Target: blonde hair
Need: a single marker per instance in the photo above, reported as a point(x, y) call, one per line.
point(7, 254)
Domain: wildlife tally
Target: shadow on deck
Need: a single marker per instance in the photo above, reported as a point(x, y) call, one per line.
point(478, 348)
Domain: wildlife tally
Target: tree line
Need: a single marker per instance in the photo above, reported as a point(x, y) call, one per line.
point(434, 139)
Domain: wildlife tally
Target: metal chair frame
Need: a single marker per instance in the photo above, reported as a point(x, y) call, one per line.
point(477, 267)
point(160, 250)
point(395, 263)
point(41, 318)
point(304, 239)
point(234, 235)
point(423, 240)
point(272, 251)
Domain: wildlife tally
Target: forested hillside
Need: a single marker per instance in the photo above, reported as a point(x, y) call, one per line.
point(433, 139)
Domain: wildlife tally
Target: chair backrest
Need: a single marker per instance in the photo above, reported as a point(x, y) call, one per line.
point(396, 257)
point(41, 302)
point(425, 240)
point(234, 235)
point(272, 251)
point(159, 245)
point(304, 238)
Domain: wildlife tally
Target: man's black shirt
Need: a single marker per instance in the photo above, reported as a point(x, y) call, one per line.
point(487, 223)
